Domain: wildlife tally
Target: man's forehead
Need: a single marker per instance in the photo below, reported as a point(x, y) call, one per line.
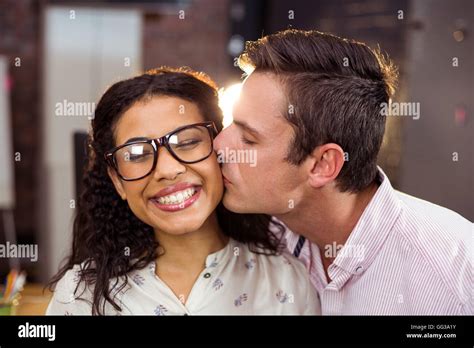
point(267, 83)
point(262, 103)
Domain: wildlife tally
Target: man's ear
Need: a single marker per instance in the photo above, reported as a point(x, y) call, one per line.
point(326, 162)
point(117, 183)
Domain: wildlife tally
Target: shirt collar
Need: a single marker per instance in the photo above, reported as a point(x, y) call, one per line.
point(370, 232)
point(222, 256)
point(213, 260)
point(290, 238)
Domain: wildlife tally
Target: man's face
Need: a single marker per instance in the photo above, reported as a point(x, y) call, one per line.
point(270, 185)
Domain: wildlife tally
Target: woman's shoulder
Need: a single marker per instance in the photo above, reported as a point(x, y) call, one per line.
point(71, 280)
point(282, 263)
point(282, 275)
point(71, 295)
point(74, 293)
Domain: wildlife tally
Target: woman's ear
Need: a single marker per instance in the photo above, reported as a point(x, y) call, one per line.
point(117, 183)
point(326, 162)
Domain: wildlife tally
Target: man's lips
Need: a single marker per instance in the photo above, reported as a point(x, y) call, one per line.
point(173, 188)
point(226, 181)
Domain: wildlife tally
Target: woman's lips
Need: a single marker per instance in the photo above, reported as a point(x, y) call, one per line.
point(174, 188)
point(178, 206)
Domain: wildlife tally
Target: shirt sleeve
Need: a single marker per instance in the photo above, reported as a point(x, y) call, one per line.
point(66, 300)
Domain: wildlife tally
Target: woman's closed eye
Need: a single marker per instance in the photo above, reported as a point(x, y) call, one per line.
point(188, 144)
point(140, 157)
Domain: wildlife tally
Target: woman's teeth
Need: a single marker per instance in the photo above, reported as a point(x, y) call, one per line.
point(177, 197)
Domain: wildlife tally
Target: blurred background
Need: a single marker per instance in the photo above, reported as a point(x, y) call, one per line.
point(58, 57)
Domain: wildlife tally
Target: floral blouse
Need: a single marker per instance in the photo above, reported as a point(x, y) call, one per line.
point(235, 281)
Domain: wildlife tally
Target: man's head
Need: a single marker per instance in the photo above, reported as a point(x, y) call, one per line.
point(310, 109)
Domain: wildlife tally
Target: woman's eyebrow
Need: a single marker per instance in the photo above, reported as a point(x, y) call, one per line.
point(136, 139)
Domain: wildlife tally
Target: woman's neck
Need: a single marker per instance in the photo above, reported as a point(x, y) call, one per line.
point(190, 250)
point(183, 257)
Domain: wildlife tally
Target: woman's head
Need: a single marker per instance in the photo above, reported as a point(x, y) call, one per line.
point(173, 188)
point(116, 220)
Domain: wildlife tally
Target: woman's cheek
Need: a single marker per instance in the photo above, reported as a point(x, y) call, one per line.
point(136, 201)
point(216, 183)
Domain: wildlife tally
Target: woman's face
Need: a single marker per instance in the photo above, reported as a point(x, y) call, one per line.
point(152, 119)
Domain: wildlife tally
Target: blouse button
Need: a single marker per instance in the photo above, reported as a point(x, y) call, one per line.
point(207, 275)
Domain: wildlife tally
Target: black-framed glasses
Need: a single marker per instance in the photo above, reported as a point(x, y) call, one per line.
point(189, 144)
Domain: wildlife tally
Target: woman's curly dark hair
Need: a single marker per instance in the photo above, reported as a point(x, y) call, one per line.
point(104, 226)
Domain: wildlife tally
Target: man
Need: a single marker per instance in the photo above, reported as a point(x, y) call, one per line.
point(311, 110)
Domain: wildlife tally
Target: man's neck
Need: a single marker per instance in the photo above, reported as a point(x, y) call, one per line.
point(329, 217)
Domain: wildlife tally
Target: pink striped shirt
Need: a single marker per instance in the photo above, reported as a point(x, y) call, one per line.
point(405, 256)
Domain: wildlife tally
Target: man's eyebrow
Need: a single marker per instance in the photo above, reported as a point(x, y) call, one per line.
point(246, 127)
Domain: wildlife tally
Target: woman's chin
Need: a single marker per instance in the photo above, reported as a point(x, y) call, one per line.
point(179, 225)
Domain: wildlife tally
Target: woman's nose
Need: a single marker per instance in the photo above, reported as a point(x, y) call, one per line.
point(167, 167)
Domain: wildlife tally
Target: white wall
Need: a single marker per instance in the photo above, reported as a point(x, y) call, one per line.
point(85, 51)
point(6, 152)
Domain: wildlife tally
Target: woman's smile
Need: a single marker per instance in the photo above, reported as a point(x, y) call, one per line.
point(177, 197)
point(184, 187)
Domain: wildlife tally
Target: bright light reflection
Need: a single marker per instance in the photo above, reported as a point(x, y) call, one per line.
point(227, 97)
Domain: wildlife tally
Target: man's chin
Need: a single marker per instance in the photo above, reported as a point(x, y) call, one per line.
point(234, 205)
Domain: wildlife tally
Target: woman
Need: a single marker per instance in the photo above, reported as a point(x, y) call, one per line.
point(150, 236)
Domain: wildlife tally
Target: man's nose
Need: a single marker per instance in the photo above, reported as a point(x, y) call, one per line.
point(220, 140)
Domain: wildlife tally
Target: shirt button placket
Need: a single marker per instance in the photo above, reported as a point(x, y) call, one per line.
point(331, 302)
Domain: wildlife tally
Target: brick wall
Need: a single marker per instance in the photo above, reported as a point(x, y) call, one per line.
point(199, 40)
point(19, 37)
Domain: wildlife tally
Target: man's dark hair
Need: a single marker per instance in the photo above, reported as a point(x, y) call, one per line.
point(335, 88)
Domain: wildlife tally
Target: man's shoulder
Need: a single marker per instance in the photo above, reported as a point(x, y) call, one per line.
point(441, 238)
point(432, 227)
point(444, 217)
